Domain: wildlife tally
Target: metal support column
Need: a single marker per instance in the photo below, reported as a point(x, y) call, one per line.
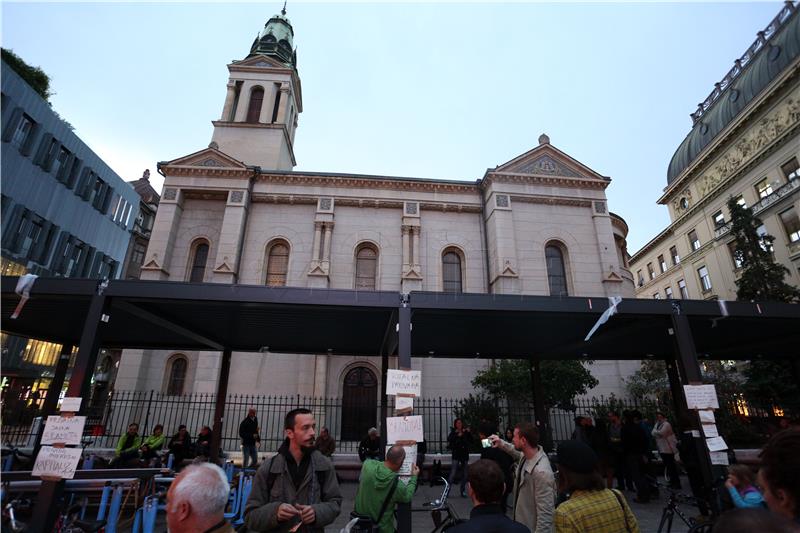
point(219, 404)
point(384, 397)
point(690, 373)
point(53, 391)
point(404, 363)
point(47, 501)
point(682, 413)
point(539, 407)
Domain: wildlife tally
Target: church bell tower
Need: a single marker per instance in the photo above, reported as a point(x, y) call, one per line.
point(263, 101)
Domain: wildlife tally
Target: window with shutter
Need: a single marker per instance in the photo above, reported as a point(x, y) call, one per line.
point(277, 264)
point(199, 260)
point(556, 271)
point(366, 268)
point(451, 271)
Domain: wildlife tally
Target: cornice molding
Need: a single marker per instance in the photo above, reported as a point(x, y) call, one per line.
point(211, 172)
point(578, 183)
point(362, 182)
point(377, 203)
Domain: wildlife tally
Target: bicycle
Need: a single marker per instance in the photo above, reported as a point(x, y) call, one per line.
point(14, 459)
point(69, 521)
point(440, 506)
point(10, 523)
point(672, 508)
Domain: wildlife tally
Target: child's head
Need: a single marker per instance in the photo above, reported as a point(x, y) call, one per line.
point(741, 475)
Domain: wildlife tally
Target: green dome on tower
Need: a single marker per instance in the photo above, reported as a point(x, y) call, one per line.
point(276, 40)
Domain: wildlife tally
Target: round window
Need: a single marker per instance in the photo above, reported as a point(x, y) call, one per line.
point(684, 202)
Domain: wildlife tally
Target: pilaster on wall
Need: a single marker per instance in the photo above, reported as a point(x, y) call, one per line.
point(319, 269)
point(162, 240)
point(225, 267)
point(132, 371)
point(500, 235)
point(607, 250)
point(230, 97)
point(411, 272)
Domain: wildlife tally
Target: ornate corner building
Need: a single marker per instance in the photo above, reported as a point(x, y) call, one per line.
point(743, 144)
point(237, 212)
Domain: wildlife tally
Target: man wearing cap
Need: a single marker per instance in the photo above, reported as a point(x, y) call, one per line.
point(534, 494)
point(591, 507)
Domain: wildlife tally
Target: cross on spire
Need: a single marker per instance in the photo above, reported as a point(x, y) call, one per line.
point(283, 11)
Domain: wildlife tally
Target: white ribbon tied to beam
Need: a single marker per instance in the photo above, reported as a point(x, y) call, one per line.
point(613, 302)
point(24, 286)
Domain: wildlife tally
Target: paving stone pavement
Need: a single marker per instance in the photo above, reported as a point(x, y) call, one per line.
point(648, 515)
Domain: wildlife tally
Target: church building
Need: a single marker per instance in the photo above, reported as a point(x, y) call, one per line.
point(237, 213)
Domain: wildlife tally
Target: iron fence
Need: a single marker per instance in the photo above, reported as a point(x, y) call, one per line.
point(107, 423)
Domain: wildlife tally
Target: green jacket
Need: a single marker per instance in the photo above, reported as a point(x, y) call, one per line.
point(135, 443)
point(153, 442)
point(376, 480)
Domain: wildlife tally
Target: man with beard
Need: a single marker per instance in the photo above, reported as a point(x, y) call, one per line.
point(297, 489)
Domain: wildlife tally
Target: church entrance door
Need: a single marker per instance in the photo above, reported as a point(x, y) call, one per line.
point(359, 403)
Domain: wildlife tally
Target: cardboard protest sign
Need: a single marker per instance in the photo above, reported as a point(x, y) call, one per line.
point(71, 405)
point(57, 462)
point(63, 430)
point(404, 429)
point(404, 382)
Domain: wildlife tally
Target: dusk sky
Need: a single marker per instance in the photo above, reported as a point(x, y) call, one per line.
point(425, 90)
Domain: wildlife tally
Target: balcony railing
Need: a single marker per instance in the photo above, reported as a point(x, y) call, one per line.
point(765, 202)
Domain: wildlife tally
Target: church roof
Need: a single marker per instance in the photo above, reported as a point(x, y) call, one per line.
point(774, 50)
point(276, 40)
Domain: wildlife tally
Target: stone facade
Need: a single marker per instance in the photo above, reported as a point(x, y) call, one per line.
point(239, 198)
point(753, 158)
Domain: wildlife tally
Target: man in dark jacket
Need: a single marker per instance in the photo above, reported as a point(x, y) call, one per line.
point(636, 447)
point(370, 447)
point(248, 432)
point(486, 487)
point(297, 489)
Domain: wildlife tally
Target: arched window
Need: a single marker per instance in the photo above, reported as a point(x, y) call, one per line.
point(277, 264)
point(177, 376)
point(254, 109)
point(199, 260)
point(451, 271)
point(366, 267)
point(359, 398)
point(556, 271)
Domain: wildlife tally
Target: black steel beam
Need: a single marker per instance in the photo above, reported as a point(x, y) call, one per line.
point(46, 510)
point(404, 363)
point(171, 325)
point(689, 369)
point(219, 404)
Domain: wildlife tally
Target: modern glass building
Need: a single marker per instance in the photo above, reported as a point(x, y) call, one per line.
point(64, 213)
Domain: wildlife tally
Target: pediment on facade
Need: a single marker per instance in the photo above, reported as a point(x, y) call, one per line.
point(260, 61)
point(547, 160)
point(208, 158)
point(613, 277)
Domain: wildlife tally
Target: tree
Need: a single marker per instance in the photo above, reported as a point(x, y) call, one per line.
point(34, 76)
point(761, 278)
point(561, 381)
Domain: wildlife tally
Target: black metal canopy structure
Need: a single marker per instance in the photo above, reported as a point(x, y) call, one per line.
point(170, 315)
point(187, 316)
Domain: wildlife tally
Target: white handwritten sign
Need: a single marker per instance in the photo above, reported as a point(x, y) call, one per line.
point(403, 403)
point(701, 397)
point(706, 417)
point(719, 458)
point(716, 444)
point(710, 430)
point(63, 430)
point(404, 382)
point(57, 462)
point(411, 458)
point(70, 405)
point(404, 428)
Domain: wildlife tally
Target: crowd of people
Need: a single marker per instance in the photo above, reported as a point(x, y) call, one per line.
point(513, 487)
